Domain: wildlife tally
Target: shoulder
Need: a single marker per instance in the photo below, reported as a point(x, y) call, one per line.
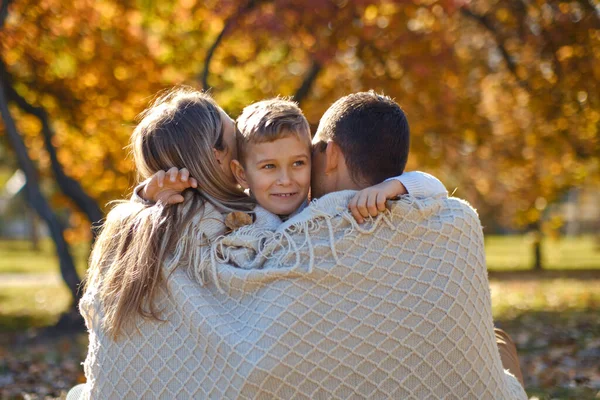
point(211, 211)
point(123, 210)
point(434, 205)
point(464, 212)
point(448, 214)
point(205, 218)
point(461, 205)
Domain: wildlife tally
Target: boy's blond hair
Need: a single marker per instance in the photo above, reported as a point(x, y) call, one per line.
point(269, 120)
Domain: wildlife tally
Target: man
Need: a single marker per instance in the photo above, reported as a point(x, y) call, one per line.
point(362, 139)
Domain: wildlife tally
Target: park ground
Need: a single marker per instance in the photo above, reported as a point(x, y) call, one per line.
point(552, 315)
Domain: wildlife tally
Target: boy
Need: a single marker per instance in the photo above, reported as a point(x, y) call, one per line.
point(274, 155)
point(274, 164)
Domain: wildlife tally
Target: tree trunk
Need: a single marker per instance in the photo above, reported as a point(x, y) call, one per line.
point(69, 186)
point(4, 11)
point(32, 223)
point(537, 248)
point(537, 253)
point(227, 27)
point(36, 199)
point(307, 82)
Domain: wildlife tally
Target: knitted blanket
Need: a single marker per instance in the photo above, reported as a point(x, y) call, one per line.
point(396, 308)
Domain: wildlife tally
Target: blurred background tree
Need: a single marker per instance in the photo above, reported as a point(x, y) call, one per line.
point(502, 96)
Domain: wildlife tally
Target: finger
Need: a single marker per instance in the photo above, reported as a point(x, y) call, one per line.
point(372, 204)
point(184, 174)
point(148, 188)
point(381, 202)
point(357, 216)
point(160, 178)
point(153, 181)
point(352, 202)
point(193, 182)
point(175, 199)
point(173, 174)
point(362, 205)
point(354, 209)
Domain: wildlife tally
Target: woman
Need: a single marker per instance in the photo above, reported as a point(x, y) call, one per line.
point(134, 258)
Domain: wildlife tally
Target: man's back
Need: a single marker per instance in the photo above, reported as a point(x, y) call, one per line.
point(398, 308)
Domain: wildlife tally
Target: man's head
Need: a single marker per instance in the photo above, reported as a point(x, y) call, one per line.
point(274, 154)
point(362, 139)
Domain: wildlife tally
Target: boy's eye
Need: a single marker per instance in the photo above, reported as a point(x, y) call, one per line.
point(299, 163)
point(268, 166)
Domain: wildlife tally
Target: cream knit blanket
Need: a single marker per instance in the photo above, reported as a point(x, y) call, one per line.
point(398, 308)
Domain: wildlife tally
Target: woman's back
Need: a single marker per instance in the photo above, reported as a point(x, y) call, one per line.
point(127, 305)
point(152, 358)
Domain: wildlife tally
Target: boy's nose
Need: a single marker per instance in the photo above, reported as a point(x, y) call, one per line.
point(284, 178)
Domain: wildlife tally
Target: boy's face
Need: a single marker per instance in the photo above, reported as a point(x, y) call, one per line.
point(278, 173)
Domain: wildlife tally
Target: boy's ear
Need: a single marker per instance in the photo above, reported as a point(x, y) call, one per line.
point(332, 157)
point(239, 173)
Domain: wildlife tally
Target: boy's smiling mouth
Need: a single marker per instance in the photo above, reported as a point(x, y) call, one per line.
point(284, 194)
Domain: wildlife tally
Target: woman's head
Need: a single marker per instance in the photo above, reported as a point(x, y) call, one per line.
point(185, 128)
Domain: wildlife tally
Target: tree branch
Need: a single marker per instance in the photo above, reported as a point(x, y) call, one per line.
point(36, 199)
point(229, 24)
point(210, 53)
point(593, 9)
point(69, 186)
point(484, 21)
point(521, 7)
point(309, 79)
point(4, 12)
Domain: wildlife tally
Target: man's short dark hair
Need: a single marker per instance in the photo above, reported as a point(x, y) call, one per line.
point(373, 134)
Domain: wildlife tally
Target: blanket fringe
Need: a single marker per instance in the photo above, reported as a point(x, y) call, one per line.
point(269, 243)
point(193, 251)
point(265, 244)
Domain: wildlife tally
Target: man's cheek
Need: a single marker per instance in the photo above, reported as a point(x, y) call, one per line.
point(307, 178)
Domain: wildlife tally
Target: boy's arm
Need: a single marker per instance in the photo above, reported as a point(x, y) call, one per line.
point(420, 184)
point(136, 196)
point(371, 201)
point(166, 191)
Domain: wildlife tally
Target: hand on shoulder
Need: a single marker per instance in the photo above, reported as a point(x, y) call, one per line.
point(166, 186)
point(370, 202)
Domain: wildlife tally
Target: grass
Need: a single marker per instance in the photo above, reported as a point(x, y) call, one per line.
point(35, 304)
point(41, 304)
point(503, 253)
point(515, 252)
point(513, 298)
point(18, 257)
point(546, 317)
point(38, 305)
point(32, 306)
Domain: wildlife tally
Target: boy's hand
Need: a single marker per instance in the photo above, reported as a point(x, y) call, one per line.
point(371, 201)
point(166, 186)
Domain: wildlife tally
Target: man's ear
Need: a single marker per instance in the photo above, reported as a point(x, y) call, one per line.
point(332, 157)
point(239, 173)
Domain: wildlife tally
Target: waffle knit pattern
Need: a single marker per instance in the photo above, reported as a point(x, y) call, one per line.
point(396, 308)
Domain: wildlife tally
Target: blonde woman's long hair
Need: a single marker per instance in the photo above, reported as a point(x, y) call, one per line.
point(180, 129)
